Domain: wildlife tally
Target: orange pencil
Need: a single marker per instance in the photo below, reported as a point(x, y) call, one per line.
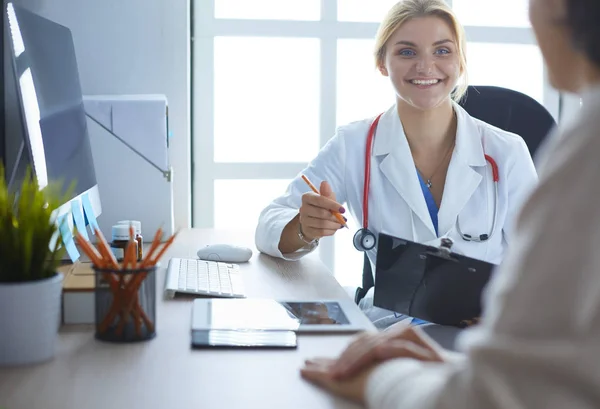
point(337, 215)
point(105, 250)
point(162, 251)
point(155, 243)
point(90, 251)
point(132, 244)
point(150, 263)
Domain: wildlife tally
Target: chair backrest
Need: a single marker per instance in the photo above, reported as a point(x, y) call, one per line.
point(511, 111)
point(506, 109)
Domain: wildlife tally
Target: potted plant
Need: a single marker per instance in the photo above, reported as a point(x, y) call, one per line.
point(30, 284)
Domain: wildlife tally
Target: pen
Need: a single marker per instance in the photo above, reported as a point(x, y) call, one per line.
point(337, 215)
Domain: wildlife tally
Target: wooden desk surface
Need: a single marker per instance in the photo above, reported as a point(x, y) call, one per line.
point(165, 372)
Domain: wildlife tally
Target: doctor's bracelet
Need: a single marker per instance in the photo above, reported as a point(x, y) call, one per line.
point(302, 237)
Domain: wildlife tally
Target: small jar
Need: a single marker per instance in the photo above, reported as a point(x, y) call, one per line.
point(137, 228)
point(120, 241)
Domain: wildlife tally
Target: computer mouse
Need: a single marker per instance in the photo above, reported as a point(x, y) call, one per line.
point(225, 252)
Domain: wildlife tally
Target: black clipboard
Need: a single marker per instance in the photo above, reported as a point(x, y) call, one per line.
point(429, 283)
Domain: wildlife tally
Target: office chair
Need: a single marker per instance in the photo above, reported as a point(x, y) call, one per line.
point(504, 108)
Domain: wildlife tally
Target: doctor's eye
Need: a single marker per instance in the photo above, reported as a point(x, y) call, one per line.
point(407, 52)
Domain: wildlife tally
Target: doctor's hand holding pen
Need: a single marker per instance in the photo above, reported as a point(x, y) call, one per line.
point(319, 216)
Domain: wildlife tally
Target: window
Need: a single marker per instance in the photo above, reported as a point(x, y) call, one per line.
point(273, 78)
point(361, 89)
point(486, 65)
point(268, 9)
point(503, 13)
point(348, 260)
point(263, 86)
point(239, 202)
point(363, 10)
point(570, 106)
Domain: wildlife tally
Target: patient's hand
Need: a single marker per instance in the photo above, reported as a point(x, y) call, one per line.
point(347, 375)
point(318, 372)
point(370, 348)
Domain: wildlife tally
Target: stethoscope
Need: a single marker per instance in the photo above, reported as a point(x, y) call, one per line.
point(365, 240)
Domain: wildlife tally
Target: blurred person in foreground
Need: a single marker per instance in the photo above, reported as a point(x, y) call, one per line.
point(538, 342)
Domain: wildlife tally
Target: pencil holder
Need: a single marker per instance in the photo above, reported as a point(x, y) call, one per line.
point(125, 304)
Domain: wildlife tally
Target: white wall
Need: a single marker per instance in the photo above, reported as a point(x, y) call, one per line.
point(135, 47)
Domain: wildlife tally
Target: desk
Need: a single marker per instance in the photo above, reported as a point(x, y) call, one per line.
point(165, 372)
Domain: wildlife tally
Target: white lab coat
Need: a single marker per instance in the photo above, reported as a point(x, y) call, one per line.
point(396, 203)
point(539, 344)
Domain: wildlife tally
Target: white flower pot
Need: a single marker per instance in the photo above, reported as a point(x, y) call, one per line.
point(29, 320)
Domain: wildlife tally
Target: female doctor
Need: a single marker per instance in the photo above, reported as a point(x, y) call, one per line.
point(422, 170)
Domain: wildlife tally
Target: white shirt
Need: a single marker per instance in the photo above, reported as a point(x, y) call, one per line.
point(396, 202)
point(539, 344)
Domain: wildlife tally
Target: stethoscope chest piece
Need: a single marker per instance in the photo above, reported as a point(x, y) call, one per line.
point(364, 240)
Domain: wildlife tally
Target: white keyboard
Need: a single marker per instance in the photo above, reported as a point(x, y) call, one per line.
point(209, 278)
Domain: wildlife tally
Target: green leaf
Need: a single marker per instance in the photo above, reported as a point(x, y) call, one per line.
point(28, 224)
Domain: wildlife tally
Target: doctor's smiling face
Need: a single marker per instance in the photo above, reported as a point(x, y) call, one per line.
point(423, 61)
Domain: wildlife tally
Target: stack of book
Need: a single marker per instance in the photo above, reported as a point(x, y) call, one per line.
point(78, 293)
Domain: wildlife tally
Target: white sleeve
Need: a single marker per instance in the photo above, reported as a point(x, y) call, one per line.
point(537, 346)
point(329, 165)
point(522, 179)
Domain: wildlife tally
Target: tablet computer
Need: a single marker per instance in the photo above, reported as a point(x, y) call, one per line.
point(234, 323)
point(255, 314)
point(326, 315)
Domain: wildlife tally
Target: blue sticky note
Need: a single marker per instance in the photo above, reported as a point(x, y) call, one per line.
point(78, 219)
point(88, 212)
point(67, 238)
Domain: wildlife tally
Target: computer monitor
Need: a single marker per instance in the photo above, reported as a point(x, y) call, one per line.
point(45, 121)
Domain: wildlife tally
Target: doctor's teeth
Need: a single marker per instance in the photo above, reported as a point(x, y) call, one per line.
point(424, 82)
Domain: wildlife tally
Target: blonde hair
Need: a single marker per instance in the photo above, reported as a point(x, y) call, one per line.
point(405, 10)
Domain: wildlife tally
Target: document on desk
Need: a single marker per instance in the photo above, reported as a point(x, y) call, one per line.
point(242, 323)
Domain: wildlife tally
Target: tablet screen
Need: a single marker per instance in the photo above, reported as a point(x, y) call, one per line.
point(317, 313)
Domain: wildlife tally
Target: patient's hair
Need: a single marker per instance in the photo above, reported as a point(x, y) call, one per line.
point(583, 19)
point(405, 10)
